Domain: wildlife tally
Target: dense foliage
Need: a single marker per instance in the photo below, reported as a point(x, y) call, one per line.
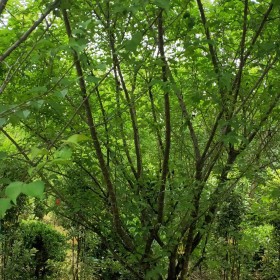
point(32, 250)
point(149, 126)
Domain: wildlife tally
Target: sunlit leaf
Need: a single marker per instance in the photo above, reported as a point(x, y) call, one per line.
point(35, 152)
point(34, 189)
point(65, 153)
point(13, 190)
point(76, 138)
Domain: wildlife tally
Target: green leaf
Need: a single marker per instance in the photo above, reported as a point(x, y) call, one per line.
point(61, 94)
point(34, 189)
point(164, 4)
point(101, 66)
point(35, 152)
point(3, 121)
point(92, 79)
point(26, 113)
point(131, 45)
point(86, 23)
point(4, 108)
point(276, 3)
point(65, 4)
point(78, 45)
point(64, 92)
point(13, 190)
point(23, 114)
point(38, 89)
point(60, 161)
point(63, 154)
point(3, 154)
point(5, 204)
point(76, 138)
point(5, 181)
point(37, 104)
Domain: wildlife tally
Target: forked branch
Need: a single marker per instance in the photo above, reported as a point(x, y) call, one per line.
point(124, 236)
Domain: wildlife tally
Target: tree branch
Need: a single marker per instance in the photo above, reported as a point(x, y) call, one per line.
point(212, 51)
point(11, 74)
point(17, 146)
point(3, 4)
point(124, 236)
point(132, 110)
point(262, 121)
point(187, 117)
point(29, 31)
point(160, 143)
point(238, 78)
point(117, 85)
point(165, 163)
point(257, 84)
point(258, 33)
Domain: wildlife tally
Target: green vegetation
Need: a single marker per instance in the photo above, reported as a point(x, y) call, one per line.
point(33, 251)
point(147, 132)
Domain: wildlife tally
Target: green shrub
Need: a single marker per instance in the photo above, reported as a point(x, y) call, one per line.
point(36, 252)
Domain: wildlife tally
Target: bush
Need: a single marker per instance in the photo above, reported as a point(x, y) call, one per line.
point(37, 246)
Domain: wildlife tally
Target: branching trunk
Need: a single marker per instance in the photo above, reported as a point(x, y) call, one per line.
point(112, 195)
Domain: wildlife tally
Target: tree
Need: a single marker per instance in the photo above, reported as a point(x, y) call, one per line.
point(151, 111)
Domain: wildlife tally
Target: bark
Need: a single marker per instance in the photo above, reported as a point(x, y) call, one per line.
point(124, 236)
point(3, 4)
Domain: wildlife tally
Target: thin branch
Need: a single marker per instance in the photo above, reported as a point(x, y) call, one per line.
point(262, 121)
point(165, 163)
point(81, 217)
point(126, 239)
point(212, 50)
point(220, 193)
point(258, 32)
point(238, 78)
point(11, 74)
point(117, 85)
point(132, 110)
point(89, 225)
point(17, 146)
point(103, 112)
point(187, 117)
point(164, 172)
point(24, 37)
point(160, 143)
point(25, 104)
point(133, 116)
point(257, 84)
point(46, 140)
point(205, 153)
